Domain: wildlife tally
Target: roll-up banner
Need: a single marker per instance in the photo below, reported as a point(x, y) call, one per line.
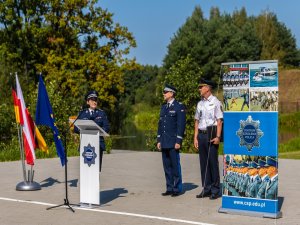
point(250, 102)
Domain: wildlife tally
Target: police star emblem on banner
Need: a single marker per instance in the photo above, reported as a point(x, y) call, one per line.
point(249, 133)
point(89, 155)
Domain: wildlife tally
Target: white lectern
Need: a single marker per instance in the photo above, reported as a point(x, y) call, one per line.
point(89, 161)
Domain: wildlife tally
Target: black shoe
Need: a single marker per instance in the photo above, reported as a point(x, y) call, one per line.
point(175, 194)
point(214, 196)
point(203, 194)
point(167, 193)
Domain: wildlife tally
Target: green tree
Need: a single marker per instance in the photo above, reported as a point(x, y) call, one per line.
point(75, 44)
point(229, 38)
point(277, 41)
point(210, 42)
point(87, 51)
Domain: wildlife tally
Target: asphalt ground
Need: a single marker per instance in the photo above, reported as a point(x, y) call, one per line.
point(131, 184)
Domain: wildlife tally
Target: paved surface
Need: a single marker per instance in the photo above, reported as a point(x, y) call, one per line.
point(131, 186)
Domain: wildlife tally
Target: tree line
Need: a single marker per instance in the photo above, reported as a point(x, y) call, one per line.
point(77, 46)
point(199, 47)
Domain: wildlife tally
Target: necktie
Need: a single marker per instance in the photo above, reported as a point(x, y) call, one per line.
point(92, 113)
point(168, 105)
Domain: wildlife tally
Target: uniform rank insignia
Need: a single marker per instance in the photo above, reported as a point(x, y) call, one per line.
point(249, 133)
point(89, 155)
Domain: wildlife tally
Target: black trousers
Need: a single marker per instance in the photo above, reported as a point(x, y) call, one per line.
point(100, 160)
point(209, 164)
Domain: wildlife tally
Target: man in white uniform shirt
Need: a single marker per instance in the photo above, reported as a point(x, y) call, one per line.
point(207, 136)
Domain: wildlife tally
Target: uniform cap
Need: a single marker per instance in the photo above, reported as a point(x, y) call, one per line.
point(171, 88)
point(244, 164)
point(261, 163)
point(271, 161)
point(91, 94)
point(253, 165)
point(203, 82)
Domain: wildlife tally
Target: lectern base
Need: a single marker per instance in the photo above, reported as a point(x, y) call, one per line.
point(28, 186)
point(88, 205)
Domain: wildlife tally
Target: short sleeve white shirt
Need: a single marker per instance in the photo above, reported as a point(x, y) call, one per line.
point(208, 111)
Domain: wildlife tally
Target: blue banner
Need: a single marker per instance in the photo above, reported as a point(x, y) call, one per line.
point(250, 102)
point(250, 204)
point(251, 133)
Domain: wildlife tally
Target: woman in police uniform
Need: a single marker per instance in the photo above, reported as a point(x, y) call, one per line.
point(98, 116)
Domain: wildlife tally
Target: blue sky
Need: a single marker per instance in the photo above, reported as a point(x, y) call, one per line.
point(154, 22)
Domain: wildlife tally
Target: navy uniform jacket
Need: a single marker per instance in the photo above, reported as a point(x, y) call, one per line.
point(100, 119)
point(171, 125)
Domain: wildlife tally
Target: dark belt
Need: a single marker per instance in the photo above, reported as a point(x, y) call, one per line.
point(202, 131)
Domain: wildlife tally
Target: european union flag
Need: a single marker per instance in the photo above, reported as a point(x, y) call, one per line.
point(44, 116)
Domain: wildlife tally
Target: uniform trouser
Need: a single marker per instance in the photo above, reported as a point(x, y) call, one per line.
point(100, 160)
point(226, 105)
point(209, 165)
point(172, 168)
point(245, 103)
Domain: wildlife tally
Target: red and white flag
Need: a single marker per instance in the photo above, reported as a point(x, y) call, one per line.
point(27, 132)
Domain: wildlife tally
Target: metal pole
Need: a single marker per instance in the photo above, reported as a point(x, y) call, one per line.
point(19, 128)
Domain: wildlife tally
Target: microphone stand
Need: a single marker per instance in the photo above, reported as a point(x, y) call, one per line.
point(66, 199)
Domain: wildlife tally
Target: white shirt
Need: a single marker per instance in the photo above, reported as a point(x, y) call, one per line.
point(91, 111)
point(171, 101)
point(208, 111)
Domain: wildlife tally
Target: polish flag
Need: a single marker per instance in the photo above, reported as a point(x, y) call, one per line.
point(27, 132)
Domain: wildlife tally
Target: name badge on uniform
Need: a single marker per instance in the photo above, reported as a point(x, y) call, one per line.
point(211, 106)
point(173, 111)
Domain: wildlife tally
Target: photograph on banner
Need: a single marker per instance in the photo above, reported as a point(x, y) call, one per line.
point(235, 76)
point(251, 176)
point(251, 133)
point(236, 99)
point(264, 99)
point(263, 74)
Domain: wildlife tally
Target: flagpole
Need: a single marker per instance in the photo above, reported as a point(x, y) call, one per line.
point(19, 128)
point(20, 139)
point(27, 184)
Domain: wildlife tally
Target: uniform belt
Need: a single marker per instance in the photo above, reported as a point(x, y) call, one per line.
point(202, 131)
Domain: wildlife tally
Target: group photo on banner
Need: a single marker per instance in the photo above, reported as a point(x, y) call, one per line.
point(250, 98)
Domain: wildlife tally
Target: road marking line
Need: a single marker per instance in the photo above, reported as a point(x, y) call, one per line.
point(111, 212)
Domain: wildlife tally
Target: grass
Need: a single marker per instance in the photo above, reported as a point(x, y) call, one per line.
point(237, 105)
point(289, 155)
point(11, 151)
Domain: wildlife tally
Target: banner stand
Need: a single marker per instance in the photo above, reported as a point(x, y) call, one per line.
point(251, 213)
point(250, 162)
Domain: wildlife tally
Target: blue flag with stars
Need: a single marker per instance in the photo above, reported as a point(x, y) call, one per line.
point(44, 116)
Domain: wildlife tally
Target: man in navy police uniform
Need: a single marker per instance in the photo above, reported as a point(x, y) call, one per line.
point(171, 127)
point(97, 115)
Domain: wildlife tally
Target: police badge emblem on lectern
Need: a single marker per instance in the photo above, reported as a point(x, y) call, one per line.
point(249, 133)
point(89, 155)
